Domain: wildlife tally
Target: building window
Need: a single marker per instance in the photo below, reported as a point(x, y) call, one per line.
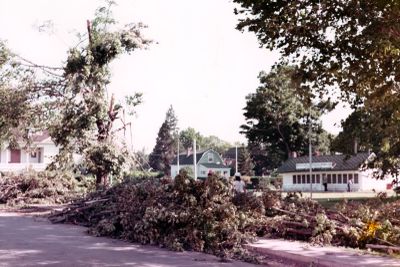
point(308, 178)
point(356, 178)
point(33, 154)
point(334, 178)
point(303, 179)
point(329, 178)
point(339, 178)
point(313, 178)
point(299, 179)
point(345, 178)
point(203, 172)
point(294, 179)
point(210, 157)
point(318, 179)
point(351, 177)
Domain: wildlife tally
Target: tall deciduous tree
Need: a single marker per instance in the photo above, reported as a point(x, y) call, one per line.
point(164, 150)
point(215, 143)
point(27, 102)
point(357, 134)
point(353, 45)
point(72, 101)
point(187, 136)
point(277, 120)
point(87, 116)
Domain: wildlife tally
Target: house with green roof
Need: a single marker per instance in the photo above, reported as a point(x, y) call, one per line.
point(335, 169)
point(208, 161)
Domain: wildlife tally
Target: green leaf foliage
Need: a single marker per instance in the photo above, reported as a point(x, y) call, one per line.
point(277, 120)
point(187, 136)
point(350, 45)
point(86, 118)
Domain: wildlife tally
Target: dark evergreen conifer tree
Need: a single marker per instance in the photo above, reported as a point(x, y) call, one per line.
point(164, 151)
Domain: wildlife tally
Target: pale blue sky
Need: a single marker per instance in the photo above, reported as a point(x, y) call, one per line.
point(200, 64)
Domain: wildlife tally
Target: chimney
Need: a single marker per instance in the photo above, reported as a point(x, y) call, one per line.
point(355, 146)
point(188, 151)
point(317, 153)
point(293, 154)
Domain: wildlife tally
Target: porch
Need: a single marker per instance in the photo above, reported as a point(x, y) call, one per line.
point(18, 167)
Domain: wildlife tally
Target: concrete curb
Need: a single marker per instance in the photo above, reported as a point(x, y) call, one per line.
point(296, 259)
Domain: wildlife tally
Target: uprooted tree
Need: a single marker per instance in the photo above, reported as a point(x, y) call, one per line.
point(80, 116)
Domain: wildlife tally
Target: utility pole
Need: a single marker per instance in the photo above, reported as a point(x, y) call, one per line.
point(236, 160)
point(310, 152)
point(177, 156)
point(194, 159)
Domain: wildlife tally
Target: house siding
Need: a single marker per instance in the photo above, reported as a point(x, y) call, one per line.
point(202, 171)
point(366, 182)
point(47, 152)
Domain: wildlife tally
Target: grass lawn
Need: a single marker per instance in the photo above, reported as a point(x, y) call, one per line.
point(329, 199)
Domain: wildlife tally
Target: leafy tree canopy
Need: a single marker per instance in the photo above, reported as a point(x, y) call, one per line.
point(352, 45)
point(187, 136)
point(278, 119)
point(28, 97)
point(72, 100)
point(356, 130)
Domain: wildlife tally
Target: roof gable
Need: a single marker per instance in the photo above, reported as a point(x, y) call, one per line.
point(185, 159)
point(35, 137)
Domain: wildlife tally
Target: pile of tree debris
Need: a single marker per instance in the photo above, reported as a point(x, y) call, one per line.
point(183, 214)
point(180, 214)
point(39, 188)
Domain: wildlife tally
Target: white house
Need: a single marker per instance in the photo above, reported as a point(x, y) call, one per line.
point(336, 168)
point(207, 161)
point(16, 159)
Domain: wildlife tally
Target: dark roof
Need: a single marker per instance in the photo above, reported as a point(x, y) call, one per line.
point(184, 159)
point(215, 166)
point(231, 152)
point(35, 137)
point(40, 136)
point(340, 162)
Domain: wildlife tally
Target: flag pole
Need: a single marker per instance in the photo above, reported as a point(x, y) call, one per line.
point(177, 156)
point(194, 159)
point(236, 159)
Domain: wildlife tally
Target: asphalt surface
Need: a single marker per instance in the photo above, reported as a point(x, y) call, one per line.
point(29, 241)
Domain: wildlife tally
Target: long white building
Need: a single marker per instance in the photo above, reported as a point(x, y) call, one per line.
point(336, 169)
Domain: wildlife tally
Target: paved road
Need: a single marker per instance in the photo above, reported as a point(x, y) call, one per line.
point(27, 241)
